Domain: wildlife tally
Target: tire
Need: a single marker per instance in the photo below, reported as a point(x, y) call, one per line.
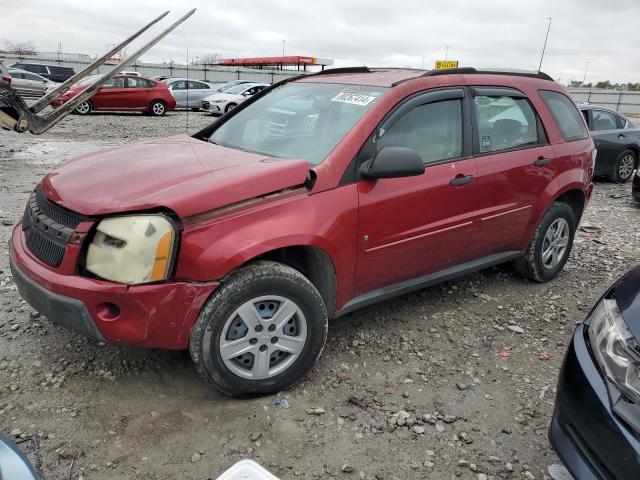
point(195, 109)
point(261, 292)
point(535, 265)
point(230, 107)
point(84, 108)
point(623, 167)
point(157, 108)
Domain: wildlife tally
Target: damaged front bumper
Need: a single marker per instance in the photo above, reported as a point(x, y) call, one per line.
point(151, 316)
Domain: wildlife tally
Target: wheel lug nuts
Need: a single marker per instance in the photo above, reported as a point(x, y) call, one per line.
point(263, 348)
point(253, 341)
point(272, 328)
point(274, 340)
point(259, 328)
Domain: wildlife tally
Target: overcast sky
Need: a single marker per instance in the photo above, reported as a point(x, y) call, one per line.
point(399, 33)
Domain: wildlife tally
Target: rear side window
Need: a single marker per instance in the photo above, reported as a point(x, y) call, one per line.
point(433, 130)
point(33, 68)
point(137, 82)
point(603, 120)
point(61, 70)
point(565, 114)
point(505, 123)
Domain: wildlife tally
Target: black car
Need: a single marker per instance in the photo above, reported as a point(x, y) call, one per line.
point(617, 139)
point(55, 73)
point(596, 423)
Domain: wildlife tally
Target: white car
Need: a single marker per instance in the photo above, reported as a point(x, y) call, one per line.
point(131, 73)
point(223, 102)
point(30, 84)
point(189, 93)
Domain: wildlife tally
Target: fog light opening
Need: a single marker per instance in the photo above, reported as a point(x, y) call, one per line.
point(108, 311)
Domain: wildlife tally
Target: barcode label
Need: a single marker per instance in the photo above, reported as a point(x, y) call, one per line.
point(353, 98)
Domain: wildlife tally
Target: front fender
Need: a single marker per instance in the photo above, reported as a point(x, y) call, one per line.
point(326, 220)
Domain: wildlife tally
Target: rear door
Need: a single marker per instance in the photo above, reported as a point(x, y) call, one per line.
point(197, 91)
point(515, 166)
point(409, 227)
point(138, 93)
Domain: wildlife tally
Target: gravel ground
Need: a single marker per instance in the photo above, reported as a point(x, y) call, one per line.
point(455, 381)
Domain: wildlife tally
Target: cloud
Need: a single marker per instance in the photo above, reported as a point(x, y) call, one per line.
point(502, 33)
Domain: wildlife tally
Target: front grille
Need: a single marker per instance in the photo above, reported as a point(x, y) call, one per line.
point(48, 228)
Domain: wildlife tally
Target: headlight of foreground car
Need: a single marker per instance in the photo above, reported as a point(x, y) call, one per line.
point(610, 340)
point(133, 249)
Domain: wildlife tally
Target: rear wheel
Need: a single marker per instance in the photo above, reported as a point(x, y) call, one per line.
point(195, 109)
point(84, 108)
point(230, 107)
point(157, 108)
point(624, 166)
point(260, 332)
point(551, 245)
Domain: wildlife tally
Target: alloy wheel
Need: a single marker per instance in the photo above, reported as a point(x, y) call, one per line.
point(83, 108)
point(263, 337)
point(626, 167)
point(555, 243)
point(158, 108)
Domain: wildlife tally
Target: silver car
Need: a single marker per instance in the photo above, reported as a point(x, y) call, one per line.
point(28, 83)
point(222, 102)
point(189, 93)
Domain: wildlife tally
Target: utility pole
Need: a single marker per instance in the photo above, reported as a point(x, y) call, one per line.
point(446, 52)
point(545, 43)
point(586, 65)
point(423, 62)
point(283, 47)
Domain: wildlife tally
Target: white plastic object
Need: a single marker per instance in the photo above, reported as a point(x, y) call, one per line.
point(247, 470)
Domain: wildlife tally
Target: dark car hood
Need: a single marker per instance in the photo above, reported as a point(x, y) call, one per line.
point(627, 293)
point(181, 173)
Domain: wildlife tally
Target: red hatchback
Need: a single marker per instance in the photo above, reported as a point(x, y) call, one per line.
point(315, 197)
point(124, 93)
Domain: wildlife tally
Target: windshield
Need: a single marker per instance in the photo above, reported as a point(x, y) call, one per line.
point(298, 120)
point(230, 84)
point(238, 88)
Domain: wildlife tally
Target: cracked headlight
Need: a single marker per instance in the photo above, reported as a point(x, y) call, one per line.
point(132, 249)
point(613, 345)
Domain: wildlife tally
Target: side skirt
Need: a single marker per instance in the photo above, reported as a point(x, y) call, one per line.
point(424, 281)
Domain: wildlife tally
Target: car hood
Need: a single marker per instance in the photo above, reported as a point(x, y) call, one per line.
point(181, 173)
point(224, 96)
point(627, 294)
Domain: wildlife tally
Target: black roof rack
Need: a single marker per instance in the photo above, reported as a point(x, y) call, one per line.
point(329, 71)
point(471, 70)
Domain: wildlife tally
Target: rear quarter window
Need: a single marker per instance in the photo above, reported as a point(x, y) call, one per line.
point(564, 112)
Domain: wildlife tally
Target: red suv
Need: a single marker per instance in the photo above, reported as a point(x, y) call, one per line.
point(316, 197)
point(123, 93)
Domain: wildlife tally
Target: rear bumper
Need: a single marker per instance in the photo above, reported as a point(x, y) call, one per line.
point(592, 441)
point(153, 316)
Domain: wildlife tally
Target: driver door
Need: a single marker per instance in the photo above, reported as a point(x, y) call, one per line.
point(413, 226)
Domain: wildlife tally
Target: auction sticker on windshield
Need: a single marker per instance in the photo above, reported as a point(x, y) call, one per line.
point(353, 98)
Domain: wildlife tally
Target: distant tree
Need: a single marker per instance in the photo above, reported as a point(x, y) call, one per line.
point(210, 58)
point(20, 48)
point(605, 84)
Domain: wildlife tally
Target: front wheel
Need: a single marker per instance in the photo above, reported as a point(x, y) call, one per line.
point(157, 108)
point(260, 332)
point(551, 245)
point(624, 166)
point(230, 107)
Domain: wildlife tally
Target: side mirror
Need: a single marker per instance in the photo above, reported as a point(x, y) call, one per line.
point(393, 162)
point(246, 94)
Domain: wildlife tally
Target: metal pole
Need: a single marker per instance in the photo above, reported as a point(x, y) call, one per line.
point(586, 65)
point(422, 63)
point(283, 47)
point(545, 43)
point(446, 52)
